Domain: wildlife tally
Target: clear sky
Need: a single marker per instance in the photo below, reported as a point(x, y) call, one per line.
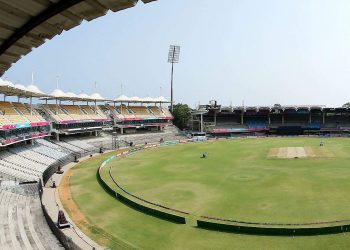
point(262, 52)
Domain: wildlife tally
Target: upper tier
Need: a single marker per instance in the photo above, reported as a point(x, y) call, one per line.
point(124, 112)
point(74, 113)
point(18, 113)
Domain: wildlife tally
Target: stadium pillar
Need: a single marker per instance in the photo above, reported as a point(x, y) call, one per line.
point(242, 118)
point(56, 107)
point(323, 117)
point(269, 119)
point(202, 123)
point(172, 89)
point(310, 118)
point(57, 137)
point(173, 57)
point(282, 118)
point(121, 131)
point(214, 118)
point(31, 105)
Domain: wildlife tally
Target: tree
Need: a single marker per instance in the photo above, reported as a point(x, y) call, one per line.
point(182, 114)
point(346, 105)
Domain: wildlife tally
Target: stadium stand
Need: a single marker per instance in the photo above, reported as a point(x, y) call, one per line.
point(73, 119)
point(170, 133)
point(61, 113)
point(32, 155)
point(123, 111)
point(93, 112)
point(166, 112)
point(11, 114)
point(277, 119)
point(81, 145)
point(11, 171)
point(25, 110)
point(27, 26)
point(156, 111)
point(140, 111)
point(51, 146)
point(18, 113)
point(45, 150)
point(132, 118)
point(28, 162)
point(20, 160)
point(22, 223)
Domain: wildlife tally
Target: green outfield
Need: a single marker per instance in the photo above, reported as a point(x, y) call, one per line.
point(282, 180)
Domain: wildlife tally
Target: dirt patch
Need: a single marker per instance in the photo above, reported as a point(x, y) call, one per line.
point(69, 204)
point(288, 153)
point(299, 152)
point(96, 233)
point(310, 152)
point(273, 152)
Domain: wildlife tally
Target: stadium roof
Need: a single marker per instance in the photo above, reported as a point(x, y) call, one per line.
point(162, 99)
point(72, 96)
point(97, 97)
point(148, 99)
point(58, 94)
point(28, 24)
point(9, 89)
point(84, 96)
point(137, 99)
point(122, 98)
point(284, 107)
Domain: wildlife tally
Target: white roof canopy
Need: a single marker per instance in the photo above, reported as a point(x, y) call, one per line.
point(97, 97)
point(162, 99)
point(58, 94)
point(148, 99)
point(33, 88)
point(137, 99)
point(72, 96)
point(9, 89)
point(84, 96)
point(122, 98)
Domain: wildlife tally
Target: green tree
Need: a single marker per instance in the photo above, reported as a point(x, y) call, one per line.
point(346, 105)
point(182, 114)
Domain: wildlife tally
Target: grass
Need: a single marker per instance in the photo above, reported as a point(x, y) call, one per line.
point(237, 181)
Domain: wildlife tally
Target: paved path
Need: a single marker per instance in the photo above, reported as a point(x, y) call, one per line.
point(52, 203)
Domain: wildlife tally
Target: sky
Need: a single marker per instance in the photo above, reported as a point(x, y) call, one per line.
point(291, 52)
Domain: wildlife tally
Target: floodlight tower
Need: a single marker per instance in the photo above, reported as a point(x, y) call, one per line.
point(173, 57)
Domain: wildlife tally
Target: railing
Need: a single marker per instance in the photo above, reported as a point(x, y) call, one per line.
point(53, 168)
point(66, 242)
point(138, 203)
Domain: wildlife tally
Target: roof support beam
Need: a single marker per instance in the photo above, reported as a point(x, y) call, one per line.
point(53, 10)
